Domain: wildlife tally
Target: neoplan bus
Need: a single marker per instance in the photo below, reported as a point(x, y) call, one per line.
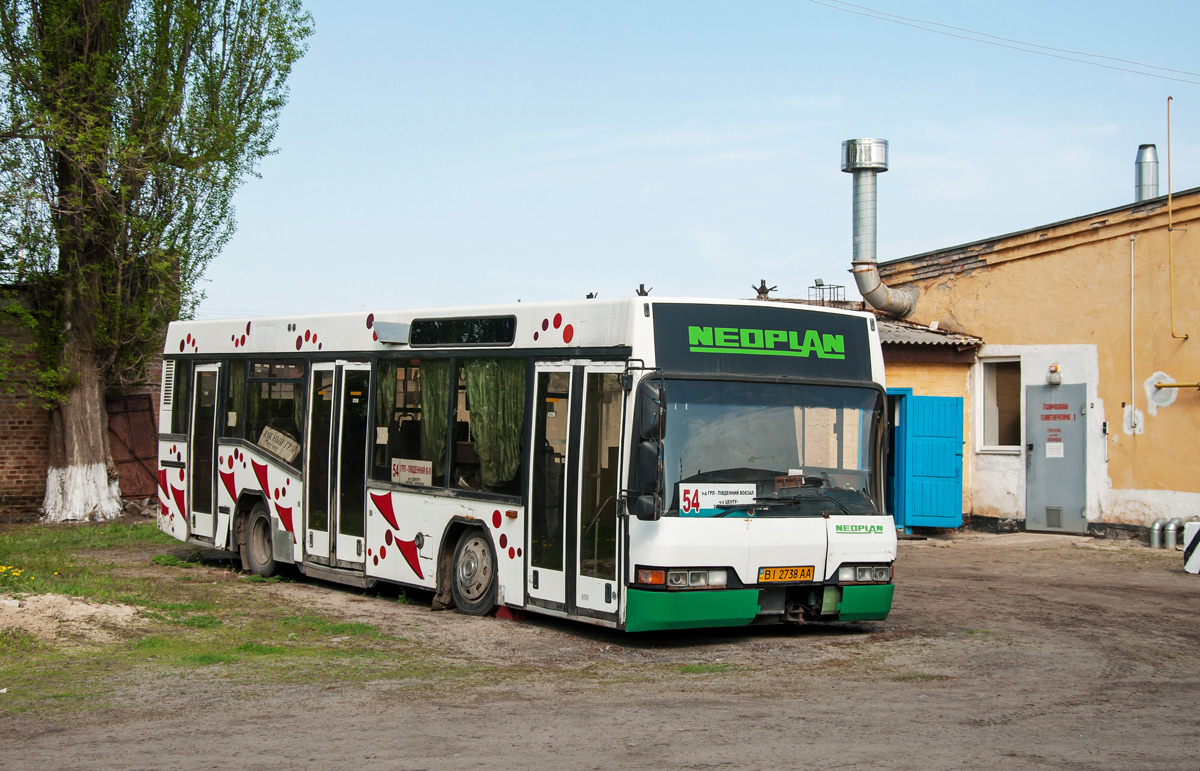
point(639, 464)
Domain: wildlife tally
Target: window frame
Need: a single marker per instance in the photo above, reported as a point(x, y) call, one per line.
point(981, 423)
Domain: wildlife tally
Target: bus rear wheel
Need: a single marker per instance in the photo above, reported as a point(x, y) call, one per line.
point(473, 575)
point(260, 556)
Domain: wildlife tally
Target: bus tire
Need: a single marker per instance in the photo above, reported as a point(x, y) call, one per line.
point(260, 556)
point(473, 574)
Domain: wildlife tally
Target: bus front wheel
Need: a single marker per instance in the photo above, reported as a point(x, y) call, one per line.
point(473, 577)
point(260, 557)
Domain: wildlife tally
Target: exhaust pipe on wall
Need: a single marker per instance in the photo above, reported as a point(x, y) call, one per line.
point(865, 159)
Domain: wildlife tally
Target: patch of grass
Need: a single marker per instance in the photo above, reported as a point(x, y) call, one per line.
point(209, 659)
point(201, 622)
point(18, 641)
point(169, 560)
point(704, 669)
point(259, 649)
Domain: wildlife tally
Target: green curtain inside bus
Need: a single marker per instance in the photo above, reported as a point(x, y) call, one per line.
point(496, 393)
point(435, 408)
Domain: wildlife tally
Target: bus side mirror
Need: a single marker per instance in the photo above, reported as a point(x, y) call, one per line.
point(651, 409)
point(645, 507)
point(645, 467)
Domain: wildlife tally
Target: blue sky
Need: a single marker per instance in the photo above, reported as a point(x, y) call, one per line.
point(466, 153)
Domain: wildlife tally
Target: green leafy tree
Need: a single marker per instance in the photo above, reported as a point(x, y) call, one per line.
point(126, 126)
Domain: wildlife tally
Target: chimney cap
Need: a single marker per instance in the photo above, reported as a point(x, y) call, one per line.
point(864, 154)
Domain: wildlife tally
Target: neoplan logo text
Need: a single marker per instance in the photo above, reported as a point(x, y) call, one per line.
point(858, 529)
point(766, 342)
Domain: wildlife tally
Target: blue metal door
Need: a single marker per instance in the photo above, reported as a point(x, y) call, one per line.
point(928, 465)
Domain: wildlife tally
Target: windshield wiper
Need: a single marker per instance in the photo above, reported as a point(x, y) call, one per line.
point(759, 503)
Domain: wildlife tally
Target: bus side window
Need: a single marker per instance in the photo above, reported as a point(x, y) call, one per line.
point(275, 407)
point(397, 456)
point(488, 422)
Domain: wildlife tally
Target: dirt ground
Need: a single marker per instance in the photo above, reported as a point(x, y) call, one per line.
point(1016, 651)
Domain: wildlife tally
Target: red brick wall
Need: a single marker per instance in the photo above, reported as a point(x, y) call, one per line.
point(23, 456)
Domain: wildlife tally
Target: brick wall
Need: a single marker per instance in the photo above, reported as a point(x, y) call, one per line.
point(23, 428)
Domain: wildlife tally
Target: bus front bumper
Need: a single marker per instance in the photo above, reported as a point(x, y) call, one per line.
point(647, 611)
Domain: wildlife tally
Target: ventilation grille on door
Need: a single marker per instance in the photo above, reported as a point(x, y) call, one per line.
point(168, 383)
point(1054, 516)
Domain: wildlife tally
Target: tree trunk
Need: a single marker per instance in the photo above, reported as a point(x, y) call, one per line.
point(82, 480)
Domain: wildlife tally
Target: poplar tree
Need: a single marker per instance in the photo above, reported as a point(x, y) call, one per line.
point(126, 126)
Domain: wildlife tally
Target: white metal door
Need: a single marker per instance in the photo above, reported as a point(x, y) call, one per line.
point(546, 579)
point(350, 474)
point(202, 457)
point(317, 466)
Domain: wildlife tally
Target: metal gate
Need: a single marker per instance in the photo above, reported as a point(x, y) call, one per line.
point(133, 439)
point(1056, 458)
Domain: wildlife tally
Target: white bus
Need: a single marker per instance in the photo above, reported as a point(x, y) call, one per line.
point(635, 463)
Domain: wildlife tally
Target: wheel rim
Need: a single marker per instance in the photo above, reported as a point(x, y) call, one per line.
point(260, 542)
point(473, 572)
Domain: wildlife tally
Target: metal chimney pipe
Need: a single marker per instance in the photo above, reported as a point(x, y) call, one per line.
point(865, 158)
point(1145, 175)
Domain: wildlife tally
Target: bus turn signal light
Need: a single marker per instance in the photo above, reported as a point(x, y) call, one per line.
point(652, 577)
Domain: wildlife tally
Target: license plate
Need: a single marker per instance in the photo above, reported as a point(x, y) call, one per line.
point(800, 573)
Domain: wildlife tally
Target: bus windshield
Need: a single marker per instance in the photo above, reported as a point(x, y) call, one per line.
point(751, 449)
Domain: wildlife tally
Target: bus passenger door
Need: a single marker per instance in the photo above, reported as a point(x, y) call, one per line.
point(546, 580)
point(349, 475)
point(316, 473)
point(596, 521)
point(203, 442)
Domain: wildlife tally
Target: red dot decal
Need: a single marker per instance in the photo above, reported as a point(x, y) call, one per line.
point(247, 327)
point(503, 540)
point(243, 339)
point(307, 335)
point(545, 324)
point(535, 335)
point(387, 537)
point(230, 461)
point(368, 552)
point(376, 560)
point(181, 346)
point(557, 320)
point(320, 346)
point(276, 493)
point(518, 552)
point(314, 337)
point(568, 334)
point(511, 552)
point(287, 481)
point(299, 342)
point(374, 335)
point(370, 320)
point(181, 477)
point(496, 518)
point(383, 552)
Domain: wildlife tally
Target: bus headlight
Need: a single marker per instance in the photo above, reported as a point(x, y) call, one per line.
point(683, 578)
point(864, 574)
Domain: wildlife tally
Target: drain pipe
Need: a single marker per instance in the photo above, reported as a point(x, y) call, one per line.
point(1156, 533)
point(865, 158)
